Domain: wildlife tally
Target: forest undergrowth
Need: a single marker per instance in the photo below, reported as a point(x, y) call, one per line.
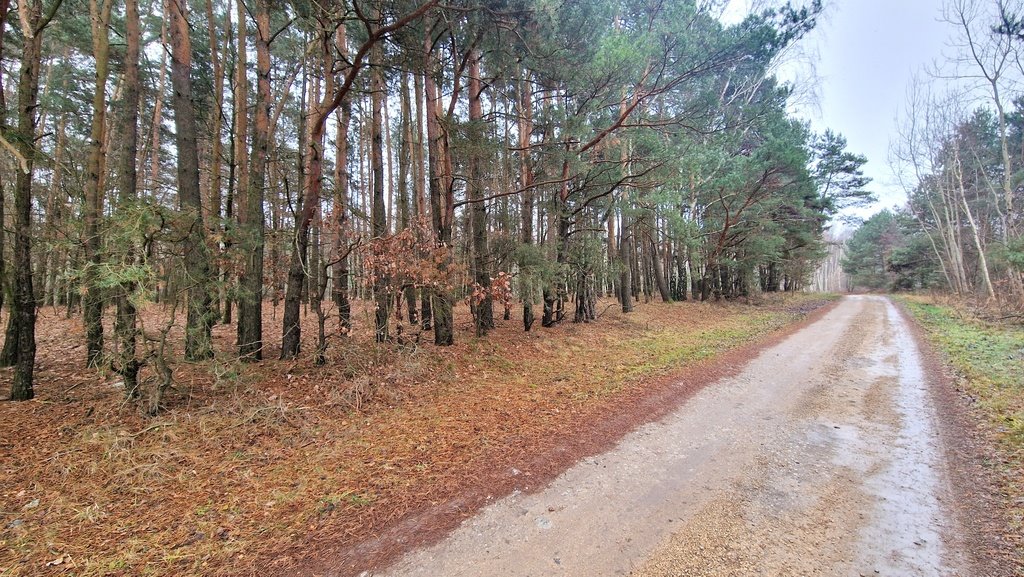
point(250, 467)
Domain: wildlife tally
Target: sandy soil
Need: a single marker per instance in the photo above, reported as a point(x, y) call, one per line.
point(821, 457)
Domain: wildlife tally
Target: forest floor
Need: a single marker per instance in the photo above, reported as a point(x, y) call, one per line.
point(282, 467)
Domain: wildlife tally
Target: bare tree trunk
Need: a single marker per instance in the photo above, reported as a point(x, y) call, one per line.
point(54, 214)
point(405, 164)
point(240, 159)
point(196, 252)
point(305, 95)
point(3, 243)
point(419, 168)
point(381, 285)
point(4, 11)
point(625, 258)
point(983, 261)
point(341, 209)
point(659, 272)
point(158, 107)
point(484, 316)
point(1010, 226)
point(441, 305)
point(389, 178)
point(554, 296)
point(125, 326)
point(24, 309)
point(216, 148)
point(252, 223)
point(422, 214)
point(92, 300)
point(291, 336)
point(526, 184)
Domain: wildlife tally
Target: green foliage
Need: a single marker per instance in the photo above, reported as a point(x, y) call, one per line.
point(535, 270)
point(889, 252)
point(838, 174)
point(869, 251)
point(1015, 253)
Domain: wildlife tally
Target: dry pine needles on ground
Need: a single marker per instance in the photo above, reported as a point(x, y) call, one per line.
point(282, 463)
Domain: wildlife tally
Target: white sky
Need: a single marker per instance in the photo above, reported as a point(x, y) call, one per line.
point(864, 54)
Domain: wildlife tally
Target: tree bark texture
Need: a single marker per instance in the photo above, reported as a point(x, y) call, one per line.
point(24, 309)
point(484, 316)
point(252, 224)
point(196, 253)
point(92, 300)
point(126, 324)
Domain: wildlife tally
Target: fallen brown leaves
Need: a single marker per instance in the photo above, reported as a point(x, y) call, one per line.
point(259, 469)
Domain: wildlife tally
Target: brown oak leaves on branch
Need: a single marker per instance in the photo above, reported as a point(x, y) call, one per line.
point(410, 258)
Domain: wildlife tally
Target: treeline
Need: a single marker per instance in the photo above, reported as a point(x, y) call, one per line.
point(960, 158)
point(213, 156)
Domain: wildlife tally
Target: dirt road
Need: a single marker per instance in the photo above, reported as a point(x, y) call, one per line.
point(820, 458)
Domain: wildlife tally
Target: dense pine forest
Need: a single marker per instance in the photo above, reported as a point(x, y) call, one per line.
point(521, 157)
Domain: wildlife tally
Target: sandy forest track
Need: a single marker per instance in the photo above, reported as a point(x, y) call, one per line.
point(821, 457)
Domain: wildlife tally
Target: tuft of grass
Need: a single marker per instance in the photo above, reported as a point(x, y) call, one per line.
point(990, 361)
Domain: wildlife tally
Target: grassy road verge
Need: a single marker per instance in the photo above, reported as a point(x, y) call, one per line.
point(988, 359)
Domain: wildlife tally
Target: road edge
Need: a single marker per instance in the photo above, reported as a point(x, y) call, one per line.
point(977, 507)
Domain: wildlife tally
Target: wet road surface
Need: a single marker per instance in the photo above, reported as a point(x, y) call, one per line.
point(820, 458)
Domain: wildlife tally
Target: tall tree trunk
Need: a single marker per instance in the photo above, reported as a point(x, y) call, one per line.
point(300, 169)
point(54, 213)
point(196, 253)
point(24, 300)
point(423, 215)
point(526, 184)
point(626, 236)
point(381, 285)
point(229, 203)
point(92, 300)
point(339, 286)
point(319, 113)
point(982, 260)
point(341, 209)
point(405, 165)
point(46, 260)
point(441, 209)
point(418, 161)
point(252, 224)
point(3, 243)
point(240, 163)
point(389, 177)
point(315, 269)
point(484, 315)
point(158, 107)
point(4, 7)
point(659, 271)
point(562, 248)
point(216, 149)
point(125, 325)
point(626, 262)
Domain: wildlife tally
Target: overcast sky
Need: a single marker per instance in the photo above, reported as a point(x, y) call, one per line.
point(865, 53)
